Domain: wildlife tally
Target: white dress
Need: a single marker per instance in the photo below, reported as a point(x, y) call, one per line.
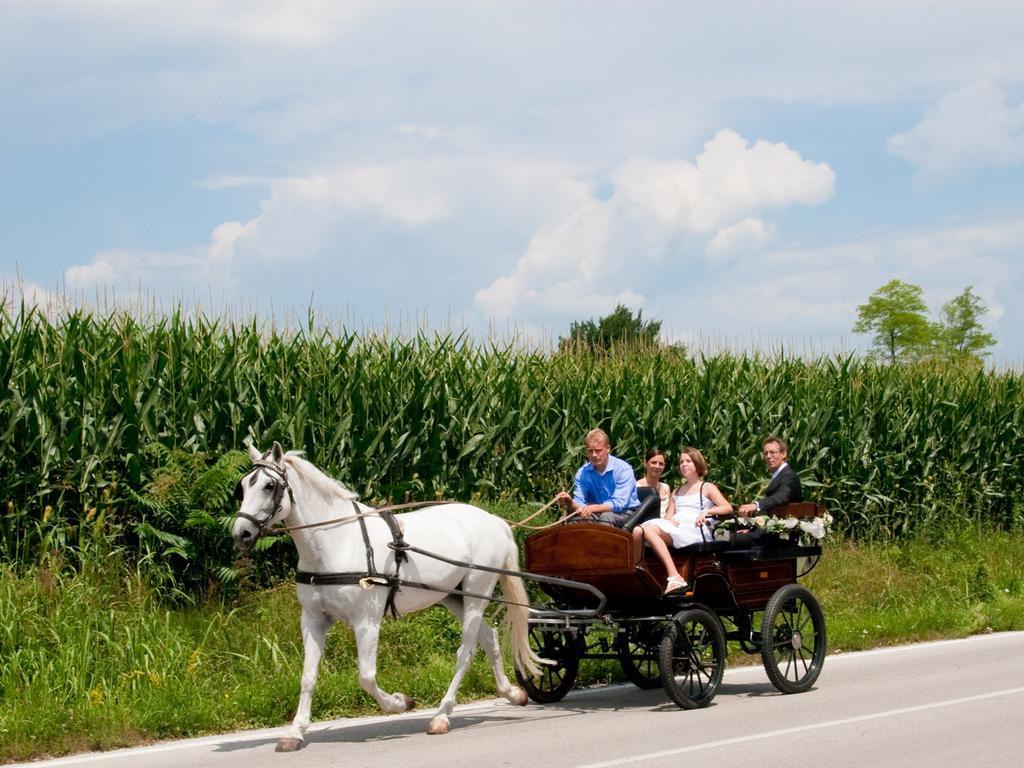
point(687, 532)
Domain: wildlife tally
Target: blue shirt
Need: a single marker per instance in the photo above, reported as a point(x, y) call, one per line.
point(616, 486)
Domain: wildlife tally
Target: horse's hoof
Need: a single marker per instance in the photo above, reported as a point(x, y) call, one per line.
point(517, 696)
point(407, 702)
point(438, 725)
point(288, 745)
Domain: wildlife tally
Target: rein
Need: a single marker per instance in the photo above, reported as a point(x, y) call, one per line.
point(371, 577)
point(281, 486)
point(523, 523)
point(375, 511)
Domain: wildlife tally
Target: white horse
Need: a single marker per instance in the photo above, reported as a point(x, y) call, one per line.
point(285, 488)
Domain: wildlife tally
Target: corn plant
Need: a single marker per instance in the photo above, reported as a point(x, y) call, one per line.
point(94, 404)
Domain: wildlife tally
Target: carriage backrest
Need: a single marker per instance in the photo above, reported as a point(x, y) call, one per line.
point(801, 510)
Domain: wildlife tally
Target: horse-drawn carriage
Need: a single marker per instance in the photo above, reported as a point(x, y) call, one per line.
point(743, 588)
point(358, 563)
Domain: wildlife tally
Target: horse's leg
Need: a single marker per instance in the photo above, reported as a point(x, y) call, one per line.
point(488, 639)
point(367, 633)
point(472, 618)
point(314, 632)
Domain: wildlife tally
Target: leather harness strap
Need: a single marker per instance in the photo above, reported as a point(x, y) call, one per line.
point(398, 544)
point(371, 569)
point(370, 577)
point(280, 487)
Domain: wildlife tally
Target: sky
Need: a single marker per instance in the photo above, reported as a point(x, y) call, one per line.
point(747, 173)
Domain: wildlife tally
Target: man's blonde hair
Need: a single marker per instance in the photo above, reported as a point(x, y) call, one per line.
point(595, 435)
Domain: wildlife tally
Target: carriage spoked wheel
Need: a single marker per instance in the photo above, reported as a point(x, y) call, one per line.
point(793, 639)
point(555, 680)
point(692, 658)
point(637, 647)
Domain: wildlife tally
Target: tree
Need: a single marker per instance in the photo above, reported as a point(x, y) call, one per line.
point(617, 328)
point(962, 337)
point(895, 313)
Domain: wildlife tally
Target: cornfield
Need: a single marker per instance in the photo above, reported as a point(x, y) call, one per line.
point(94, 401)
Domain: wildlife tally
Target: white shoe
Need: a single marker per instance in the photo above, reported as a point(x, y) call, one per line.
point(674, 583)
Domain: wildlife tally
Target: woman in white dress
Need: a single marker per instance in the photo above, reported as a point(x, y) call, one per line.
point(654, 466)
point(685, 520)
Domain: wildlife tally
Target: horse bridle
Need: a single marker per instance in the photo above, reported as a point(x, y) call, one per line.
point(280, 486)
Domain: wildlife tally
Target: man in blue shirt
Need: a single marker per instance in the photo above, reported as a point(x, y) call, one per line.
point(604, 490)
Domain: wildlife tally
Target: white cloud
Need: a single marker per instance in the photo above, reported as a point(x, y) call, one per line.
point(728, 179)
point(300, 218)
point(418, 191)
point(17, 294)
point(970, 128)
point(297, 22)
point(407, 192)
point(560, 268)
point(125, 268)
point(608, 243)
point(749, 234)
point(429, 132)
point(200, 268)
point(338, 70)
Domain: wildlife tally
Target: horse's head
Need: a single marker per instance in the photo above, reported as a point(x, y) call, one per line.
point(264, 496)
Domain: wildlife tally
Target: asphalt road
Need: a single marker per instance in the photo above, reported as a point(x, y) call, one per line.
point(951, 703)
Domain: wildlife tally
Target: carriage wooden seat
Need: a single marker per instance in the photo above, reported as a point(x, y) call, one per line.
point(802, 510)
point(604, 557)
point(594, 553)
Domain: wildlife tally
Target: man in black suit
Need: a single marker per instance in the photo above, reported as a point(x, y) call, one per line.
point(783, 488)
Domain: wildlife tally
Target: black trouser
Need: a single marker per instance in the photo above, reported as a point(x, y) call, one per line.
point(649, 509)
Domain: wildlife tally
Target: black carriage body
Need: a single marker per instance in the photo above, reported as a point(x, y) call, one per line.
point(722, 576)
point(738, 591)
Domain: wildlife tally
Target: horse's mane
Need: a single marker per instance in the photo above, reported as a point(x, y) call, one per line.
point(326, 486)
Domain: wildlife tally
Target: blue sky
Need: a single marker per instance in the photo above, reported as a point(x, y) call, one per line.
point(748, 173)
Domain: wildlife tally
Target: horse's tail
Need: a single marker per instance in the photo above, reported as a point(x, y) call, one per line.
point(517, 614)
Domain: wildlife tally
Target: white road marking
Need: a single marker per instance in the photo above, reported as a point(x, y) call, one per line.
point(800, 729)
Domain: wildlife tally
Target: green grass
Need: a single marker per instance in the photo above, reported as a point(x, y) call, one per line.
point(921, 590)
point(92, 658)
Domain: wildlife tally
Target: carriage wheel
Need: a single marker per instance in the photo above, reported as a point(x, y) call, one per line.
point(793, 639)
point(692, 657)
point(555, 680)
point(637, 647)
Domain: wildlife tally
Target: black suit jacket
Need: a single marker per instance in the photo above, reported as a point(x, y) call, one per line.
point(783, 489)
